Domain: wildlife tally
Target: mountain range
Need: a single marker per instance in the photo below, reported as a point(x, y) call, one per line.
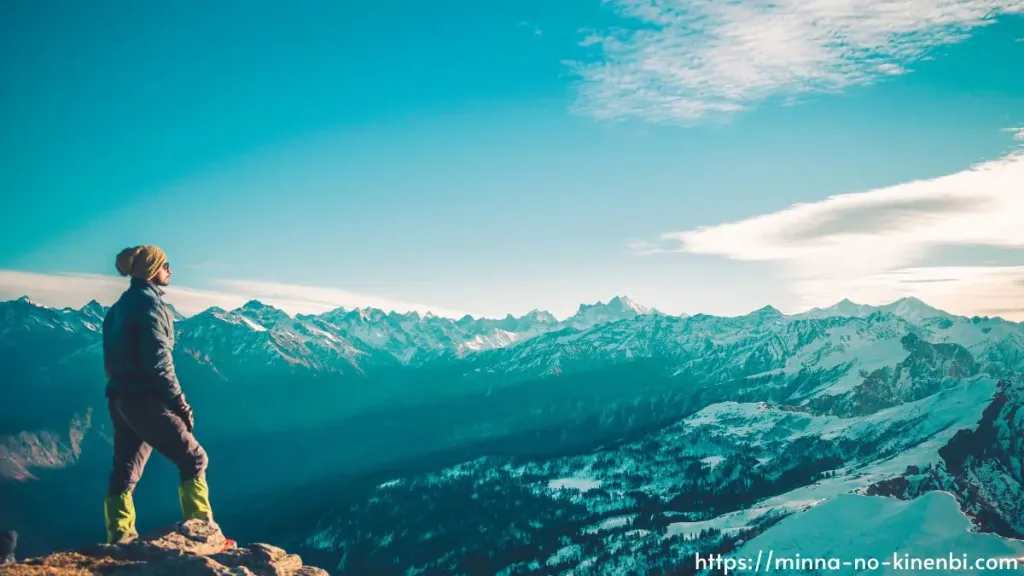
point(619, 440)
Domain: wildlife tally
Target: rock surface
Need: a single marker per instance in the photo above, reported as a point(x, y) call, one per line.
point(192, 548)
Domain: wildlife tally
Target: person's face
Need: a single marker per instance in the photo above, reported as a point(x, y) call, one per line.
point(163, 276)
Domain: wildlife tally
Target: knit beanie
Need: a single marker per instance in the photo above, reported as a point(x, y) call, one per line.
point(142, 262)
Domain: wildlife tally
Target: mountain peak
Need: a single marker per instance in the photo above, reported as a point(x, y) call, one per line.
point(911, 307)
point(93, 310)
point(541, 316)
point(768, 310)
point(365, 314)
point(914, 300)
point(625, 302)
point(618, 304)
point(26, 300)
point(260, 309)
point(618, 308)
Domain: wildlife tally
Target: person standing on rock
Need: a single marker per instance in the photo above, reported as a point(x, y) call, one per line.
point(147, 406)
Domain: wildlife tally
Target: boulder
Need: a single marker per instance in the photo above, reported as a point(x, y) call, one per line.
point(192, 548)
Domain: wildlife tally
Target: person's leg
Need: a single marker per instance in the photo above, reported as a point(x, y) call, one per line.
point(165, 431)
point(130, 457)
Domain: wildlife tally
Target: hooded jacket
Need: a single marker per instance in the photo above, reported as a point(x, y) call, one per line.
point(138, 338)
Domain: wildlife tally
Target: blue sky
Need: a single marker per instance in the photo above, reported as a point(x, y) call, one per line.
point(498, 157)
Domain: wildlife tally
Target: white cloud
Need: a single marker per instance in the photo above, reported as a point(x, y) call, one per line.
point(321, 299)
point(74, 290)
point(891, 69)
point(689, 59)
point(866, 246)
point(60, 290)
point(1018, 132)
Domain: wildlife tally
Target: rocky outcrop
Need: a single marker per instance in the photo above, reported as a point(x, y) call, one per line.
point(192, 548)
point(980, 466)
point(927, 369)
point(46, 449)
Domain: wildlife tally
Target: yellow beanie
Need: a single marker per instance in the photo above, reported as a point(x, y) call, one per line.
point(142, 262)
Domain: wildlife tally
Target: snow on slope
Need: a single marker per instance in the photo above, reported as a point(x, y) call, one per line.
point(924, 427)
point(253, 325)
point(497, 339)
point(727, 523)
point(648, 501)
point(851, 526)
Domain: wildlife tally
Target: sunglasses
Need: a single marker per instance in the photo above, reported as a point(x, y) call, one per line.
point(167, 266)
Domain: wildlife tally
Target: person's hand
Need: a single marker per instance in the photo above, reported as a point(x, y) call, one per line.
point(184, 410)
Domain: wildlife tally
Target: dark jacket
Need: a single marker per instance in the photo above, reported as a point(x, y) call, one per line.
point(138, 337)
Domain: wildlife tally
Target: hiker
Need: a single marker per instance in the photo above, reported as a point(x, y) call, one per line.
point(147, 406)
point(8, 543)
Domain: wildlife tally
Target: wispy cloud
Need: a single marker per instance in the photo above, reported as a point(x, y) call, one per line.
point(320, 299)
point(645, 247)
point(1018, 133)
point(691, 59)
point(868, 246)
point(74, 290)
point(535, 29)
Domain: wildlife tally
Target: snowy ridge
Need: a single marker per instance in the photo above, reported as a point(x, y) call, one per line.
point(849, 527)
point(622, 329)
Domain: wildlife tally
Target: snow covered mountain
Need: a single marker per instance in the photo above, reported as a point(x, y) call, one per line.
point(910, 308)
point(618, 439)
point(618, 308)
point(785, 414)
point(411, 339)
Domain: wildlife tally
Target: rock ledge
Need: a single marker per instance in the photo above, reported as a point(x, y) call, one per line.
point(192, 548)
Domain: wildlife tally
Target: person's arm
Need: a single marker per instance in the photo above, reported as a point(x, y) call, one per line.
point(155, 339)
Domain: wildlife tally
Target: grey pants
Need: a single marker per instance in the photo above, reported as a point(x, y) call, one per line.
point(142, 424)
